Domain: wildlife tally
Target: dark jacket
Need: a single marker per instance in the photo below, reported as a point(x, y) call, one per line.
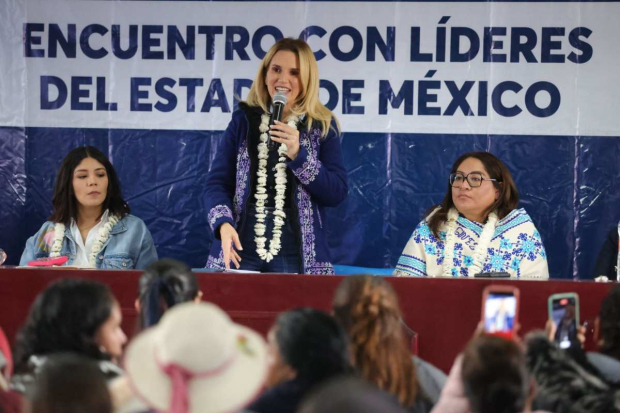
point(320, 180)
point(283, 398)
point(565, 385)
point(608, 257)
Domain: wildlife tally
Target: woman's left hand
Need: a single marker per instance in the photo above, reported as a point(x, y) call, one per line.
point(283, 133)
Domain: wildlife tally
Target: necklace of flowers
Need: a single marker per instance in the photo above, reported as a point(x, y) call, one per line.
point(480, 252)
point(102, 236)
point(261, 192)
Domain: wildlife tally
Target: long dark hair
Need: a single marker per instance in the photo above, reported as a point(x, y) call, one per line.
point(508, 195)
point(313, 344)
point(164, 284)
point(70, 383)
point(65, 318)
point(64, 200)
point(368, 309)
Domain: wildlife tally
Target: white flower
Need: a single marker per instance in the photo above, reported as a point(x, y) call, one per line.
point(59, 235)
point(261, 192)
point(480, 252)
point(102, 237)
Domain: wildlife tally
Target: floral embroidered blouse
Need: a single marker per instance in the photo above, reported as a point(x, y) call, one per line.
point(516, 247)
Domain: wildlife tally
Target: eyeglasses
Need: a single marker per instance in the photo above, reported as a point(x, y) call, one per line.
point(474, 179)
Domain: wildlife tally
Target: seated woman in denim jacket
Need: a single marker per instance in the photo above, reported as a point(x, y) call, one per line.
point(91, 224)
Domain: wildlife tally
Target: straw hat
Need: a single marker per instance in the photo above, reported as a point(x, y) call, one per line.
point(196, 360)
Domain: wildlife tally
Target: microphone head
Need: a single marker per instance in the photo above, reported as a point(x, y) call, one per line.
point(280, 97)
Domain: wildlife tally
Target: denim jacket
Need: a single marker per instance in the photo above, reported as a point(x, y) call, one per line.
point(129, 246)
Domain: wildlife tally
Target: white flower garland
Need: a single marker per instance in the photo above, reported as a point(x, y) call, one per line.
point(102, 236)
point(261, 192)
point(59, 234)
point(480, 252)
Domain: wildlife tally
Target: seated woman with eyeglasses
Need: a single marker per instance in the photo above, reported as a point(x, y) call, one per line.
point(477, 228)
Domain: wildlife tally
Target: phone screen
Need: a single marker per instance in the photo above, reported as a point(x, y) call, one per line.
point(564, 314)
point(499, 312)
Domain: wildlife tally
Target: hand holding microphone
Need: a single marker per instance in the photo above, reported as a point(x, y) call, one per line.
point(278, 104)
point(280, 132)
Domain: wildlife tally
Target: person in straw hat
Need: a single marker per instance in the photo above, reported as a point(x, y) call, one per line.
point(196, 360)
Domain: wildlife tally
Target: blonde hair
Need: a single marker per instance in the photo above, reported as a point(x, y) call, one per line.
point(308, 102)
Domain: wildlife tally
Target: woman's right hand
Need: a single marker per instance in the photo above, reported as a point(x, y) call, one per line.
point(230, 242)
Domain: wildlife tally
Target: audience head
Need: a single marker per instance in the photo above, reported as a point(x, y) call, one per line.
point(489, 188)
point(86, 178)
point(164, 284)
point(494, 375)
point(368, 309)
point(70, 383)
point(609, 324)
point(348, 394)
point(6, 361)
point(72, 315)
point(311, 343)
point(196, 360)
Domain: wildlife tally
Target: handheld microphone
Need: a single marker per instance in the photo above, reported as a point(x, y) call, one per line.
point(277, 108)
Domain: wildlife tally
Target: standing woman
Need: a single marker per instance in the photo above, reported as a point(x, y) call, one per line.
point(91, 224)
point(269, 185)
point(477, 228)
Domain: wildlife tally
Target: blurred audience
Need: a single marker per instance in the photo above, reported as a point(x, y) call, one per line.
point(6, 361)
point(563, 383)
point(196, 360)
point(368, 309)
point(164, 284)
point(70, 315)
point(70, 383)
point(10, 401)
point(489, 377)
point(349, 394)
point(607, 360)
point(494, 376)
point(306, 347)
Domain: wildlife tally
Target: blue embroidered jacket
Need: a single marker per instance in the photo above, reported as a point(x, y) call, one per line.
point(320, 181)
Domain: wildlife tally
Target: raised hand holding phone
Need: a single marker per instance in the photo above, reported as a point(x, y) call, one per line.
point(500, 310)
point(564, 314)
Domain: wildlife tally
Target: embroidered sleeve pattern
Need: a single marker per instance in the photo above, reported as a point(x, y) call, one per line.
point(243, 172)
point(310, 264)
point(216, 262)
point(218, 212)
point(517, 255)
point(310, 169)
point(422, 249)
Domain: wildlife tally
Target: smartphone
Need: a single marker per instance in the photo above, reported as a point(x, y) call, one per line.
point(48, 261)
point(500, 310)
point(564, 311)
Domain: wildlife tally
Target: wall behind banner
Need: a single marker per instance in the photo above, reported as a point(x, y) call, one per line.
point(568, 185)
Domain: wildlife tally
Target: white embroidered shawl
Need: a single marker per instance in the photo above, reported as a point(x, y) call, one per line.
point(516, 248)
